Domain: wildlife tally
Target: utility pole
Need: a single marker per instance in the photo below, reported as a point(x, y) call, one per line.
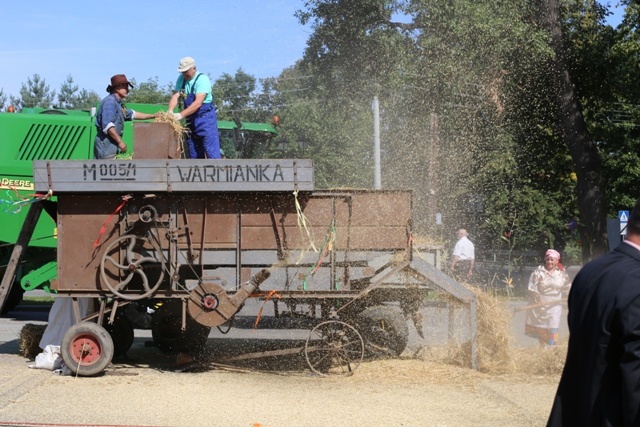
point(432, 177)
point(377, 180)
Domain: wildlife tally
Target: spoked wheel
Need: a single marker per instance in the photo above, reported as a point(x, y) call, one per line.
point(334, 348)
point(141, 267)
point(86, 349)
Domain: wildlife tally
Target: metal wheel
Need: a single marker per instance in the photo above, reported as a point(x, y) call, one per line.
point(86, 349)
point(204, 301)
point(138, 265)
point(334, 348)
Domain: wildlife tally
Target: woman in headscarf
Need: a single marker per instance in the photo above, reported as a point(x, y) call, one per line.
point(548, 285)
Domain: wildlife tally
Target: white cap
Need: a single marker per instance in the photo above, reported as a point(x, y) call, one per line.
point(186, 63)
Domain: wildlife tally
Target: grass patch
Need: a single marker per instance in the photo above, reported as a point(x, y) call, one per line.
point(27, 300)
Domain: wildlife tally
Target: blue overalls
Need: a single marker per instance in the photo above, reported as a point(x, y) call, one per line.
point(203, 140)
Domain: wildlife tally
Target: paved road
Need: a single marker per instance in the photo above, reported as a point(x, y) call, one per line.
point(18, 380)
point(435, 325)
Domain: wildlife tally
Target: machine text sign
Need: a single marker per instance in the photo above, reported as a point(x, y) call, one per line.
point(180, 175)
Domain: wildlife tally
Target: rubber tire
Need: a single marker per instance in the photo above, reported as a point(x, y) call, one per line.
point(99, 336)
point(167, 333)
point(121, 332)
point(384, 330)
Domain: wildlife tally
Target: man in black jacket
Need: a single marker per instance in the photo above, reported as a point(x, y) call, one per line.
point(600, 384)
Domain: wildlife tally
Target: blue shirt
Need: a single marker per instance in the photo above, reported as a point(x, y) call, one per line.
point(202, 85)
point(112, 113)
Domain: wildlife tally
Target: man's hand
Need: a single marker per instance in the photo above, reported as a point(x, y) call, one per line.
point(177, 116)
point(122, 147)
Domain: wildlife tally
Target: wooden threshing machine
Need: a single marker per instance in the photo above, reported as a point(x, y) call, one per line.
point(202, 236)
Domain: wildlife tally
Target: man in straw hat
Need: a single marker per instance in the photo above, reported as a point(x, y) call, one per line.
point(111, 117)
point(194, 88)
point(600, 383)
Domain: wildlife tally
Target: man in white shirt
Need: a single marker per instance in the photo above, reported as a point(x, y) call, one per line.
point(463, 255)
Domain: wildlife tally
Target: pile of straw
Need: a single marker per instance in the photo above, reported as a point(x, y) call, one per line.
point(30, 336)
point(495, 352)
point(494, 334)
point(537, 361)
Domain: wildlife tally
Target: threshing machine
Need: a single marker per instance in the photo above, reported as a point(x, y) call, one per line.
point(203, 236)
point(54, 134)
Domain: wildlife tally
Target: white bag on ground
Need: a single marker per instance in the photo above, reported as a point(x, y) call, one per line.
point(49, 358)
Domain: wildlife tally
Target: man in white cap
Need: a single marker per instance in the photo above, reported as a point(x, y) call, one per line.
point(194, 88)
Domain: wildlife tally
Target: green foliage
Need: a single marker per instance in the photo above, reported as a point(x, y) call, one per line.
point(70, 97)
point(67, 93)
point(35, 93)
point(467, 105)
point(86, 99)
point(149, 92)
point(233, 95)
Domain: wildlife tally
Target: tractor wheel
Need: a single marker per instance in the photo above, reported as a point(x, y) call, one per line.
point(166, 329)
point(121, 332)
point(86, 349)
point(14, 298)
point(384, 330)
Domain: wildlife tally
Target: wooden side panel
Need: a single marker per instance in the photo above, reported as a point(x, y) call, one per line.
point(80, 221)
point(155, 141)
point(205, 226)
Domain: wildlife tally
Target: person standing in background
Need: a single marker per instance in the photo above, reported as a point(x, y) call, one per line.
point(548, 285)
point(463, 255)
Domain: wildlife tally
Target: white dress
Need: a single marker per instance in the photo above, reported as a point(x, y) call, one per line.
point(549, 287)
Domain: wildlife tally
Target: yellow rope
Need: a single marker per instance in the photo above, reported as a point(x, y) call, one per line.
point(302, 224)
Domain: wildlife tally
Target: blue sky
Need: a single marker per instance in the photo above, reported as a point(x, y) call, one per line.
point(92, 41)
point(143, 39)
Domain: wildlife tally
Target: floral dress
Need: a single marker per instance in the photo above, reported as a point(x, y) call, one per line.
point(546, 288)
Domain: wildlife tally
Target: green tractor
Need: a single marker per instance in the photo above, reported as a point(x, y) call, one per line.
point(53, 134)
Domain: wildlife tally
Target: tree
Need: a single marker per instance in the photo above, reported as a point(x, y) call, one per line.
point(35, 93)
point(71, 98)
point(3, 99)
point(86, 99)
point(150, 92)
point(477, 124)
point(440, 79)
point(67, 94)
point(584, 152)
point(233, 94)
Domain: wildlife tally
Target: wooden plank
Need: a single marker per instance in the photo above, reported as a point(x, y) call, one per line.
point(174, 175)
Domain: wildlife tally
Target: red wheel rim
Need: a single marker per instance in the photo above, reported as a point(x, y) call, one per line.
point(85, 349)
